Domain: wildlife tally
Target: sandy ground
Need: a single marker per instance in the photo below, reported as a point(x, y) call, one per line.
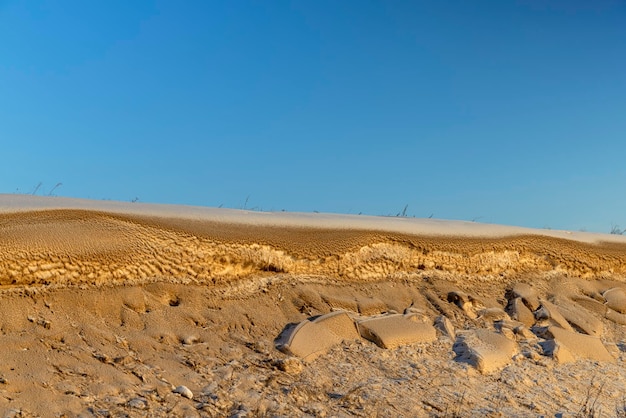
point(113, 309)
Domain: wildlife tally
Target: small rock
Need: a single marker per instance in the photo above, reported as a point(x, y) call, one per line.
point(581, 318)
point(557, 351)
point(463, 301)
point(615, 316)
point(11, 413)
point(291, 365)
point(115, 400)
point(527, 294)
point(493, 314)
point(316, 409)
point(531, 354)
point(542, 313)
point(508, 333)
point(444, 325)
point(241, 413)
point(184, 391)
point(307, 340)
point(190, 339)
point(524, 333)
point(261, 347)
point(485, 350)
point(393, 331)
point(421, 318)
point(340, 324)
point(566, 346)
point(138, 403)
point(370, 305)
point(413, 310)
point(550, 313)
point(520, 312)
point(507, 323)
point(616, 299)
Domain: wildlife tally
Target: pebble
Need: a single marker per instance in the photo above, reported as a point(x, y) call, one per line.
point(13, 413)
point(184, 391)
point(190, 339)
point(115, 400)
point(291, 365)
point(138, 403)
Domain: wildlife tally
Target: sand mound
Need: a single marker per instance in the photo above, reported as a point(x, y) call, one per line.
point(616, 299)
point(518, 311)
point(307, 340)
point(527, 294)
point(551, 313)
point(581, 319)
point(568, 346)
point(311, 338)
point(485, 350)
point(395, 330)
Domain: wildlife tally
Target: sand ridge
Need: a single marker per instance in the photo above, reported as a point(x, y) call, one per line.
point(11, 203)
point(81, 246)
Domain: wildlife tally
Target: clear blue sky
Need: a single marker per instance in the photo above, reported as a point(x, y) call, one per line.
point(499, 111)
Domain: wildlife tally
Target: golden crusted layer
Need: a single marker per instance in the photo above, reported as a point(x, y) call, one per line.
point(88, 247)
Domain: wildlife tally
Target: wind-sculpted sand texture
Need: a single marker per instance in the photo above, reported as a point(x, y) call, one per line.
point(106, 313)
point(77, 246)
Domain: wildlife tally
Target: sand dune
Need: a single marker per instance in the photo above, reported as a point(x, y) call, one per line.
point(110, 308)
point(61, 244)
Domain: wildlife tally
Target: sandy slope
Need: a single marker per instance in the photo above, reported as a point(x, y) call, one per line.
point(107, 306)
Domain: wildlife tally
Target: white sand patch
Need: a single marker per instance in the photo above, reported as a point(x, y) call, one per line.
point(10, 203)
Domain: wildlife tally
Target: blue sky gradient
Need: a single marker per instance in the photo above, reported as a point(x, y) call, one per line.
point(509, 112)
